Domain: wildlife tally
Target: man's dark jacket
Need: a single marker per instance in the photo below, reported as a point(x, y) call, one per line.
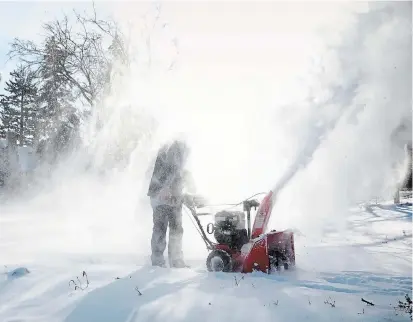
point(168, 170)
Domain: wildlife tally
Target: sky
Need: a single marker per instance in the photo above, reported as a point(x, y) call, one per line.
point(264, 51)
point(235, 65)
point(200, 28)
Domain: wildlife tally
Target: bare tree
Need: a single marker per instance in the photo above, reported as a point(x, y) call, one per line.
point(83, 58)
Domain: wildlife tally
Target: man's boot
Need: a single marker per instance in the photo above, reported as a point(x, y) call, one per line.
point(158, 261)
point(179, 263)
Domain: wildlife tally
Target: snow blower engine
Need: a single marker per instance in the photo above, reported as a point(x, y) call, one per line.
point(240, 249)
point(229, 229)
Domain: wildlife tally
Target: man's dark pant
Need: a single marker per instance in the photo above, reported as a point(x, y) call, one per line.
point(162, 216)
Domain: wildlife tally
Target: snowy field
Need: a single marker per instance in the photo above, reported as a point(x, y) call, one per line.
point(372, 260)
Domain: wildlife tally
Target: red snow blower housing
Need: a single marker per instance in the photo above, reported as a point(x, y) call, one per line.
point(238, 249)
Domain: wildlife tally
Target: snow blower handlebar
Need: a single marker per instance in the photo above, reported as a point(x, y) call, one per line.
point(192, 202)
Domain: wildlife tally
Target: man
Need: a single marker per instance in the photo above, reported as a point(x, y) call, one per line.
point(166, 190)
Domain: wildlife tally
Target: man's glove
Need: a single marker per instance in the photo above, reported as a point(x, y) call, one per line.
point(195, 200)
point(199, 201)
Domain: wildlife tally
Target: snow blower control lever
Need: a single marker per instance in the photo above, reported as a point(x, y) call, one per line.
point(248, 205)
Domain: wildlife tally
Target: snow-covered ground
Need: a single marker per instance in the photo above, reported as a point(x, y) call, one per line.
point(371, 260)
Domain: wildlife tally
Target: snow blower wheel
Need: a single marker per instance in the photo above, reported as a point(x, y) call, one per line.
point(219, 261)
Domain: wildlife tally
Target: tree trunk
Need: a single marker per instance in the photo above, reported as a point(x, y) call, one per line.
point(21, 119)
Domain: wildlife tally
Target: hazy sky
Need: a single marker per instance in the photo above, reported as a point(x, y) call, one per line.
point(241, 39)
point(236, 61)
point(237, 64)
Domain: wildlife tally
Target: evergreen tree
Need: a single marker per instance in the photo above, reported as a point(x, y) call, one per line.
point(8, 118)
point(19, 106)
point(56, 99)
point(55, 93)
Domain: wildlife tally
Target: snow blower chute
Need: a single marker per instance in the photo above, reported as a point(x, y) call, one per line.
point(238, 248)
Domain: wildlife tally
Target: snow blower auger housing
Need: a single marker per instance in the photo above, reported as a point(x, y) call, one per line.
point(240, 248)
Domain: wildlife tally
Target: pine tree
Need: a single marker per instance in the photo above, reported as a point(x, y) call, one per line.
point(8, 117)
point(56, 97)
point(19, 106)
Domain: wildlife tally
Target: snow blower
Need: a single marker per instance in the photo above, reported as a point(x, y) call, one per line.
point(238, 248)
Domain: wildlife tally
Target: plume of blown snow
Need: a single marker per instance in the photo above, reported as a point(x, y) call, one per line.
point(359, 131)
